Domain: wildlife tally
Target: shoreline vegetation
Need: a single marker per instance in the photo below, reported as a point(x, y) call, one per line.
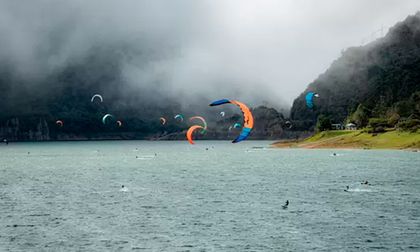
point(356, 139)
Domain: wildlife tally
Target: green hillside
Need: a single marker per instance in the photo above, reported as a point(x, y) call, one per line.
point(392, 139)
point(379, 80)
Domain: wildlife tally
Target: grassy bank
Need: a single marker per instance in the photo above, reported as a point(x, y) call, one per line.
point(357, 139)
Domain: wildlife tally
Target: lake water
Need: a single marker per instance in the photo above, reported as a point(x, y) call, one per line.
point(68, 196)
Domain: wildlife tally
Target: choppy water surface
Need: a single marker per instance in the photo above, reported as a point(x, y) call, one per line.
point(67, 196)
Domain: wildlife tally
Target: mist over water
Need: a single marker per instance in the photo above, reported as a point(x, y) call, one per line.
point(214, 196)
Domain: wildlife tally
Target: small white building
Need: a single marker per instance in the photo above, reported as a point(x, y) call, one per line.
point(351, 126)
point(337, 126)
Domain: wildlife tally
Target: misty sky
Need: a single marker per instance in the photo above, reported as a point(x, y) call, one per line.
point(267, 50)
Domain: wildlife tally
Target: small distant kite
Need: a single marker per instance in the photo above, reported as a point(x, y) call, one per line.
point(59, 123)
point(106, 117)
point(288, 124)
point(162, 120)
point(310, 99)
point(98, 96)
point(237, 126)
point(191, 131)
point(179, 117)
point(119, 123)
point(248, 118)
point(222, 114)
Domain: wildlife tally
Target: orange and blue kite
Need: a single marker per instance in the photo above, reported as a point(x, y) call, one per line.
point(248, 118)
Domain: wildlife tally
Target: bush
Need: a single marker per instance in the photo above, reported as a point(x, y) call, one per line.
point(379, 129)
point(378, 122)
point(409, 125)
point(375, 130)
point(393, 118)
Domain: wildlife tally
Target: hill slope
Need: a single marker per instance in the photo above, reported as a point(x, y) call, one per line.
point(29, 109)
point(379, 77)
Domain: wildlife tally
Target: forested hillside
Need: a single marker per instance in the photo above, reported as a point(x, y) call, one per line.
point(376, 82)
point(29, 110)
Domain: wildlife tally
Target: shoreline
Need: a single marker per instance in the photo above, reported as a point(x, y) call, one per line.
point(357, 139)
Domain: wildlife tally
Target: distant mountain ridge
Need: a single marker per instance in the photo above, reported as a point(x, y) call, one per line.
point(269, 125)
point(29, 109)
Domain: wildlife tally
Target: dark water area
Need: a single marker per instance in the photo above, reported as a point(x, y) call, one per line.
point(213, 196)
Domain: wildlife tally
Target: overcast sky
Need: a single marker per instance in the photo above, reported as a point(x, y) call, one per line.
point(269, 49)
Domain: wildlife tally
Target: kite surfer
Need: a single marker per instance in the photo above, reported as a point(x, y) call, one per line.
point(286, 205)
point(123, 189)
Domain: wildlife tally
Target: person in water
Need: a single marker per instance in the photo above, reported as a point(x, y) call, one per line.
point(347, 189)
point(123, 189)
point(286, 205)
point(365, 183)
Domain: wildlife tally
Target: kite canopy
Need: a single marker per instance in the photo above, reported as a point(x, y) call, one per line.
point(106, 117)
point(288, 124)
point(237, 126)
point(162, 120)
point(179, 117)
point(97, 96)
point(200, 118)
point(59, 123)
point(191, 131)
point(119, 123)
point(248, 118)
point(310, 99)
point(222, 114)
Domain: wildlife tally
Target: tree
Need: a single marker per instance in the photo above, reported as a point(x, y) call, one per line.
point(361, 116)
point(323, 123)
